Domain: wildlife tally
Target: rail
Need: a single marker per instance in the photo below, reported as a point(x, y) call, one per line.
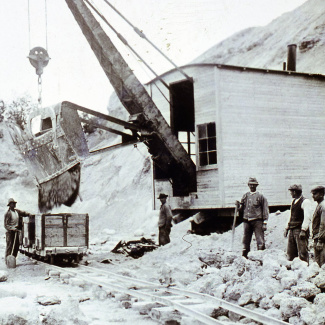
point(190, 303)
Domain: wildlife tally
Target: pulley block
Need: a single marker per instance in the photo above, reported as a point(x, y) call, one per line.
point(39, 58)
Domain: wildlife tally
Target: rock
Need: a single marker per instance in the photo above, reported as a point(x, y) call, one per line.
point(235, 291)
point(305, 290)
point(233, 316)
point(3, 276)
point(274, 312)
point(271, 267)
point(308, 315)
point(319, 302)
point(217, 312)
point(228, 273)
point(256, 256)
point(319, 280)
point(267, 287)
point(284, 272)
point(296, 321)
point(320, 319)
point(245, 299)
point(266, 303)
point(279, 298)
point(298, 264)
point(313, 270)
point(289, 280)
point(219, 291)
point(77, 282)
point(48, 300)
point(291, 307)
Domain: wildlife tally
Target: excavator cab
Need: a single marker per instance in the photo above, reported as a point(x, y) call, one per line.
point(53, 145)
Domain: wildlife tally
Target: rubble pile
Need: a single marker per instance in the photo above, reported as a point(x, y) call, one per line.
point(267, 282)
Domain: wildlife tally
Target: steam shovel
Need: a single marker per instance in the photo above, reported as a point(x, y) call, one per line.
point(11, 260)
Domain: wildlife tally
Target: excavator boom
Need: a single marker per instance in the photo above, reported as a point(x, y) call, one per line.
point(167, 152)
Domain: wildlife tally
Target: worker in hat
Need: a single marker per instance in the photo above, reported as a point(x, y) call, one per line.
point(297, 228)
point(165, 220)
point(318, 225)
point(255, 210)
point(13, 223)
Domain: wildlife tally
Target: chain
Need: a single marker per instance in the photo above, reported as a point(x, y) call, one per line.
point(39, 91)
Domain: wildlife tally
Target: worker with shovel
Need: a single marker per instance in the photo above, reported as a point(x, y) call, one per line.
point(13, 224)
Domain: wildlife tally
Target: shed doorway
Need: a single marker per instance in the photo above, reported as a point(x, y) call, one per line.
point(182, 114)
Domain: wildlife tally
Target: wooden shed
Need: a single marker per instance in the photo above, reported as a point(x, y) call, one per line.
point(239, 122)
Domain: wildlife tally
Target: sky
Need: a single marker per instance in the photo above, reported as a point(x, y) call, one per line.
point(182, 29)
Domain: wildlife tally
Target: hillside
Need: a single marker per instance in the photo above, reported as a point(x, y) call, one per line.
point(266, 47)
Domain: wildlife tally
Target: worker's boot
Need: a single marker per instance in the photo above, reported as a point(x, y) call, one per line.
point(261, 247)
point(245, 252)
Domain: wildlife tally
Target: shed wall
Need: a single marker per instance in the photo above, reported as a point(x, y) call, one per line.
point(273, 129)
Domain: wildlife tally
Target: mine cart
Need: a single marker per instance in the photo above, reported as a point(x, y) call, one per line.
point(56, 237)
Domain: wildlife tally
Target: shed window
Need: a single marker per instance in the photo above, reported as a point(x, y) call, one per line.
point(207, 144)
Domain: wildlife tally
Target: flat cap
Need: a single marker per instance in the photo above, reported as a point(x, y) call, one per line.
point(319, 188)
point(295, 187)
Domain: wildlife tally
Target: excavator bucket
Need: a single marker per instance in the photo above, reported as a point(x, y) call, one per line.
point(53, 145)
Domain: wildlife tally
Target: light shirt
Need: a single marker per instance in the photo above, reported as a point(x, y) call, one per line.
point(13, 222)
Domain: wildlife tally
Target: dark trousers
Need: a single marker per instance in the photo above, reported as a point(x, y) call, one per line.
point(10, 239)
point(319, 255)
point(163, 237)
point(250, 227)
point(297, 247)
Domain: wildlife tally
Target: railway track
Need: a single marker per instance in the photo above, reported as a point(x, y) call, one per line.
point(161, 300)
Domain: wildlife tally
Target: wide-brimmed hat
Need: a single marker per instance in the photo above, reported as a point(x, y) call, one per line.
point(162, 196)
point(11, 200)
point(295, 187)
point(252, 180)
point(319, 188)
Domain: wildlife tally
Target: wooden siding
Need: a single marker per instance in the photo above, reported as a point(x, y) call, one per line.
point(207, 195)
point(269, 126)
point(273, 129)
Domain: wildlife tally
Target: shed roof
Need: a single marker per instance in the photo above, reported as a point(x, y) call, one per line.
point(239, 68)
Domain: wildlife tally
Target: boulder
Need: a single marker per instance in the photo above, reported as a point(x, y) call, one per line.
point(48, 300)
point(319, 302)
point(271, 267)
point(291, 306)
point(305, 290)
point(245, 299)
point(273, 312)
point(219, 291)
point(319, 280)
point(289, 280)
point(308, 315)
point(267, 287)
point(280, 297)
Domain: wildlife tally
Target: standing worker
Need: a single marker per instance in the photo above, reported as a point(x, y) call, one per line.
point(165, 220)
point(298, 225)
point(318, 225)
point(13, 224)
point(255, 211)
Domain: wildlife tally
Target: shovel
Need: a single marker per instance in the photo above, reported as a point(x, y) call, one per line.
point(11, 260)
point(233, 228)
